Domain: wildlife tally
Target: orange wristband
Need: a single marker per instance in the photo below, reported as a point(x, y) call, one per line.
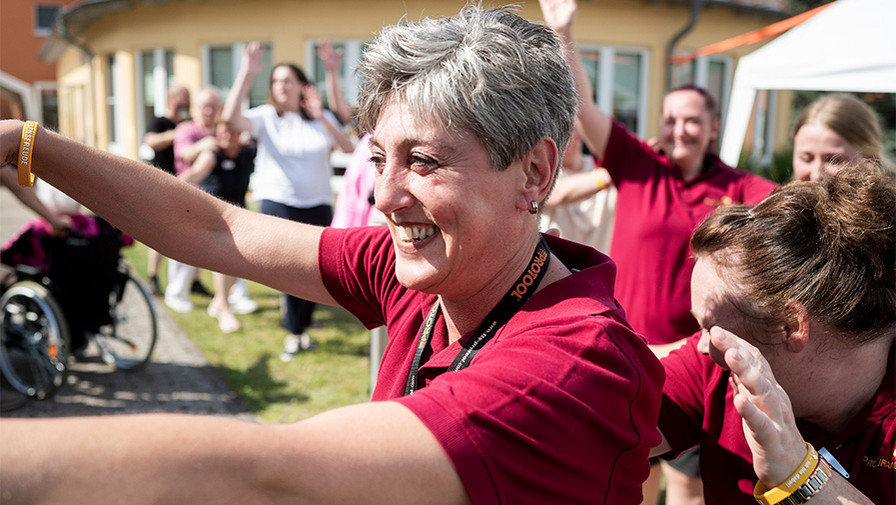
point(26, 153)
point(599, 181)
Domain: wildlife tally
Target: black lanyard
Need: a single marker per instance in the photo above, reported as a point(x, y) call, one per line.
point(498, 317)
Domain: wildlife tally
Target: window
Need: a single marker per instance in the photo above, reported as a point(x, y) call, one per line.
point(44, 17)
point(618, 78)
point(352, 50)
point(711, 72)
point(222, 62)
point(114, 96)
point(155, 73)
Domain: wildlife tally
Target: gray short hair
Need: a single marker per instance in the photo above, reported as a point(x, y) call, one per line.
point(487, 71)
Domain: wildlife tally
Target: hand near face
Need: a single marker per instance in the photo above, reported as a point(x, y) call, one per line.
point(768, 422)
point(312, 102)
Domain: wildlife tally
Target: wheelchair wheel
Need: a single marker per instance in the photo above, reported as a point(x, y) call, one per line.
point(34, 345)
point(127, 342)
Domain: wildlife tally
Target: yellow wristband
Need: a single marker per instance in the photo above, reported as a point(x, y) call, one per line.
point(601, 183)
point(799, 477)
point(26, 153)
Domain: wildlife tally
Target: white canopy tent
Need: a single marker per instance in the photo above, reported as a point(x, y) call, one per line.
point(849, 46)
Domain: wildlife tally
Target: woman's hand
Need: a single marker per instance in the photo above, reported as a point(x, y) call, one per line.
point(312, 102)
point(769, 426)
point(559, 14)
point(330, 57)
point(253, 62)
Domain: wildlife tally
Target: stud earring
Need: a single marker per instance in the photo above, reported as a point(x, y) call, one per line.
point(533, 207)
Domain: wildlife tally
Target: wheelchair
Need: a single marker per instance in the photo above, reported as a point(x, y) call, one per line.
point(85, 293)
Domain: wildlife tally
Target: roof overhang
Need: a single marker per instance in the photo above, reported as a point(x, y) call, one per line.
point(74, 20)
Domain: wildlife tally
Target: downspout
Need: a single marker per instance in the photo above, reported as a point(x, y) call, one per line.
point(696, 7)
point(89, 54)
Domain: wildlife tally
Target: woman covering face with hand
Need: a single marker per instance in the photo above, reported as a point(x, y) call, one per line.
point(795, 296)
point(501, 361)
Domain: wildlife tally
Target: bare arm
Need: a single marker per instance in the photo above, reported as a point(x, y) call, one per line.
point(593, 123)
point(200, 169)
point(577, 187)
point(159, 140)
point(769, 426)
point(9, 177)
point(331, 60)
point(250, 66)
point(375, 453)
point(175, 218)
point(189, 151)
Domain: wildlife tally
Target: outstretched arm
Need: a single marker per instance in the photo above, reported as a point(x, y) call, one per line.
point(769, 426)
point(375, 453)
point(10, 179)
point(251, 65)
point(593, 123)
point(174, 218)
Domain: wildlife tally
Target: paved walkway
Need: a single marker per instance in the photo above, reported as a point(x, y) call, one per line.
point(178, 378)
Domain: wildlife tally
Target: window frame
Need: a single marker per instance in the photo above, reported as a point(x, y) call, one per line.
point(607, 74)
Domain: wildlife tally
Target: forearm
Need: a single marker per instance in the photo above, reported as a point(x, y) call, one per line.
point(200, 169)
point(577, 187)
point(159, 140)
point(232, 110)
point(134, 459)
point(377, 453)
point(336, 98)
point(342, 141)
point(189, 152)
point(27, 196)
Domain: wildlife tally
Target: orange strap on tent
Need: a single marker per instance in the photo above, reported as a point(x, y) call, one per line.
point(751, 37)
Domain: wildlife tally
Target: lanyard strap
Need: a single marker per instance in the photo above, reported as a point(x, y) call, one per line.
point(498, 317)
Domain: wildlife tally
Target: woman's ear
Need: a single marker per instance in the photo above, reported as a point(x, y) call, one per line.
point(540, 168)
point(796, 327)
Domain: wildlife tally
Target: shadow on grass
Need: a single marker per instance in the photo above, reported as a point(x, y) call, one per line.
point(257, 387)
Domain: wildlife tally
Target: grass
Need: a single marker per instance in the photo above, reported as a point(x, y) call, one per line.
point(333, 375)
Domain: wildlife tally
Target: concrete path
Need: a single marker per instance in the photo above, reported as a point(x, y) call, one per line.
point(178, 378)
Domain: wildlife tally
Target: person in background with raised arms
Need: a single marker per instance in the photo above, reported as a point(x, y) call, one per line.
point(661, 197)
point(160, 138)
point(795, 297)
point(510, 376)
point(833, 131)
point(295, 136)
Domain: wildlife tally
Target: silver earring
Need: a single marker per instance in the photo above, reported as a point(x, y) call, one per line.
point(533, 207)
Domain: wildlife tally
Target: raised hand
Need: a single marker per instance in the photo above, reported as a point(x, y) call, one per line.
point(330, 57)
point(768, 420)
point(252, 58)
point(559, 14)
point(312, 102)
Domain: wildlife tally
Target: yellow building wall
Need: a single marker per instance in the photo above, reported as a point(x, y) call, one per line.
point(289, 25)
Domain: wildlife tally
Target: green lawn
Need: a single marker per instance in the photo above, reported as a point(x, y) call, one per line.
point(333, 375)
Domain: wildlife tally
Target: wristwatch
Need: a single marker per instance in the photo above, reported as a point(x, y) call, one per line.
point(812, 486)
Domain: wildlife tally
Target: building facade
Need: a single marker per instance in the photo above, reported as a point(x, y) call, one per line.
point(115, 58)
point(27, 84)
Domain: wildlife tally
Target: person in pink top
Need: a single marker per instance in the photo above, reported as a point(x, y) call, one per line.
point(795, 297)
point(511, 375)
point(662, 195)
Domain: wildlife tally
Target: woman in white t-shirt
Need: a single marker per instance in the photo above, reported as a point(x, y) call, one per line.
point(295, 136)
